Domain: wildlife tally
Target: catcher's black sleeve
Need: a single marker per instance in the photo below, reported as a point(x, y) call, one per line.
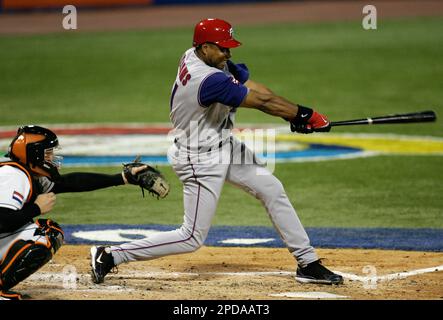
point(82, 181)
point(11, 220)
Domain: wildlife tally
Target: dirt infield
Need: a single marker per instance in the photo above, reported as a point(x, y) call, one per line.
point(214, 273)
point(240, 14)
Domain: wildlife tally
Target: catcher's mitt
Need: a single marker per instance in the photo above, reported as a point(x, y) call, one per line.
point(150, 179)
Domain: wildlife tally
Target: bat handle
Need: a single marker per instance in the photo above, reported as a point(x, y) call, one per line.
point(351, 122)
point(325, 129)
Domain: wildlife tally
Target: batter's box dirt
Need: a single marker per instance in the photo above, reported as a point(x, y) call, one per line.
point(214, 273)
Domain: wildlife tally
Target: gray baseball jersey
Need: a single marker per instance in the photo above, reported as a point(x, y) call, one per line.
point(203, 104)
point(198, 114)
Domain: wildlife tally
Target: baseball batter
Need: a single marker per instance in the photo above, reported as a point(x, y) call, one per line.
point(206, 94)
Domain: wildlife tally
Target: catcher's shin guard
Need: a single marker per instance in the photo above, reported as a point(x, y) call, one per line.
point(24, 257)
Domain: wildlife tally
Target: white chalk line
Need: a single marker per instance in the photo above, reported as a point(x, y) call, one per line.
point(96, 289)
point(309, 295)
point(56, 277)
point(388, 277)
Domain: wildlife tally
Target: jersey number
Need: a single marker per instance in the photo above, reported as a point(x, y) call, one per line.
point(184, 75)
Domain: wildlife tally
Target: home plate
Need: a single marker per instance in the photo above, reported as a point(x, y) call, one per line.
point(246, 241)
point(309, 295)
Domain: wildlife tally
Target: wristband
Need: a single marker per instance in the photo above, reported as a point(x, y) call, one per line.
point(303, 115)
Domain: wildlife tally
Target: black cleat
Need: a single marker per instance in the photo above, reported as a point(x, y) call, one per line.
point(102, 263)
point(315, 272)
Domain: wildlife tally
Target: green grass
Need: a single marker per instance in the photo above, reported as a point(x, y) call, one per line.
point(372, 192)
point(338, 68)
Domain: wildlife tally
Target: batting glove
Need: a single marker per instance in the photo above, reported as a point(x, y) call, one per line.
point(309, 121)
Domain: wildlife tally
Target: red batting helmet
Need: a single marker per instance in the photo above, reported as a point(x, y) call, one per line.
point(216, 31)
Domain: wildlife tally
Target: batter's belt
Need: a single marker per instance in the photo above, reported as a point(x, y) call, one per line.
point(202, 149)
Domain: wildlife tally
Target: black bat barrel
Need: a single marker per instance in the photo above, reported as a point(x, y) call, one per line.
point(425, 116)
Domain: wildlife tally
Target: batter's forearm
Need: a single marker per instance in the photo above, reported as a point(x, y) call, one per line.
point(280, 107)
point(271, 104)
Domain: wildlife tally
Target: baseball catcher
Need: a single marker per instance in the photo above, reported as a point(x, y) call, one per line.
point(29, 182)
point(148, 178)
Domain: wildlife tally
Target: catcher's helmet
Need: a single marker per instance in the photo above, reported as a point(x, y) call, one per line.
point(29, 147)
point(216, 31)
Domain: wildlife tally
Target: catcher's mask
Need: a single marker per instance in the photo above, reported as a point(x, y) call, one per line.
point(34, 147)
point(215, 31)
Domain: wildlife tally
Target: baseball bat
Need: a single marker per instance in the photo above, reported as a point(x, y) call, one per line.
point(424, 116)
